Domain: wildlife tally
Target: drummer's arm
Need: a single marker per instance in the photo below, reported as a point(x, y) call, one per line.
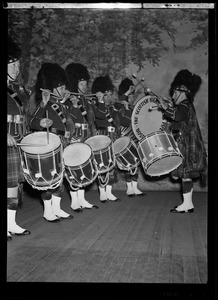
point(177, 113)
point(125, 117)
point(39, 114)
point(123, 97)
point(100, 111)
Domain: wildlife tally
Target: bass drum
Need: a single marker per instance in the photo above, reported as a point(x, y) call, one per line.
point(147, 117)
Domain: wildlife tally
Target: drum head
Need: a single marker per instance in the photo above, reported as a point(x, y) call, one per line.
point(76, 154)
point(98, 142)
point(40, 138)
point(144, 119)
point(121, 144)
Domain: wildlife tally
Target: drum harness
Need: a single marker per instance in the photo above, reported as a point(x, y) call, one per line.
point(63, 133)
point(81, 128)
point(110, 129)
point(18, 120)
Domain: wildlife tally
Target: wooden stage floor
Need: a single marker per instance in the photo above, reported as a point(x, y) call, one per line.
point(136, 240)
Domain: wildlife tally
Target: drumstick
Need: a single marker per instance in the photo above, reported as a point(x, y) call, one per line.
point(47, 128)
point(153, 107)
point(30, 145)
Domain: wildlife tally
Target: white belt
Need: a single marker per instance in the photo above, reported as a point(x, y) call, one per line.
point(111, 129)
point(19, 119)
point(83, 125)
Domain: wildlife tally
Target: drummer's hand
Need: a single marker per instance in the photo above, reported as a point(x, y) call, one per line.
point(100, 97)
point(46, 123)
point(66, 96)
point(131, 88)
point(126, 104)
point(74, 100)
point(45, 96)
point(11, 141)
point(162, 102)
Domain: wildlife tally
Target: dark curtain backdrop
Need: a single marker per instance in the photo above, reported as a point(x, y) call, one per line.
point(106, 41)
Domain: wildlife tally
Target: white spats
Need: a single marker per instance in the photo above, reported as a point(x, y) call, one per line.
point(109, 194)
point(82, 201)
point(130, 190)
point(135, 188)
point(11, 222)
point(74, 200)
point(56, 208)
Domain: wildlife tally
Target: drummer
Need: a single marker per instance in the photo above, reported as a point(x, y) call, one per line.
point(16, 124)
point(81, 113)
point(51, 113)
point(187, 133)
point(126, 91)
point(107, 123)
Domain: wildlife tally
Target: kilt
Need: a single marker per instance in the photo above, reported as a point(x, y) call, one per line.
point(14, 168)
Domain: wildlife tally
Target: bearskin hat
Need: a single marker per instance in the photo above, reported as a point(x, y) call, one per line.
point(124, 86)
point(50, 76)
point(186, 81)
point(76, 72)
point(102, 84)
point(14, 52)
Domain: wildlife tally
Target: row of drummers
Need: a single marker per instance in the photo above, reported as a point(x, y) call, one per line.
point(86, 139)
point(45, 161)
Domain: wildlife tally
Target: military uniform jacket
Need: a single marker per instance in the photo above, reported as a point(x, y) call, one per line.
point(59, 113)
point(16, 118)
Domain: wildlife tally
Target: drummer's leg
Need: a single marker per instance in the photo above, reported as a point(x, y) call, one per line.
point(136, 191)
point(12, 207)
point(187, 190)
point(128, 179)
point(110, 196)
point(56, 201)
point(82, 201)
point(48, 214)
point(102, 192)
point(75, 206)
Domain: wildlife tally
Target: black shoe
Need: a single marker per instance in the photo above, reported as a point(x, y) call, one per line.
point(130, 195)
point(78, 210)
point(104, 201)
point(182, 211)
point(94, 206)
point(25, 232)
point(53, 221)
point(66, 218)
point(142, 194)
point(116, 200)
point(9, 238)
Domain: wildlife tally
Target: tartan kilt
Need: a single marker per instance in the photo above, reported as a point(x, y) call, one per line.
point(191, 168)
point(14, 168)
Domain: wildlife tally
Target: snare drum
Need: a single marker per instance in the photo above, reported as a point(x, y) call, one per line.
point(80, 169)
point(147, 117)
point(126, 153)
point(103, 152)
point(42, 166)
point(159, 153)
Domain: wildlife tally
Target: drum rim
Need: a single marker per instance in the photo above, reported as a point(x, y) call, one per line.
point(125, 146)
point(100, 136)
point(27, 149)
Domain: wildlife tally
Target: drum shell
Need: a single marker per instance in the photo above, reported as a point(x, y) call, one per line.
point(159, 153)
point(84, 173)
point(128, 157)
point(104, 156)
